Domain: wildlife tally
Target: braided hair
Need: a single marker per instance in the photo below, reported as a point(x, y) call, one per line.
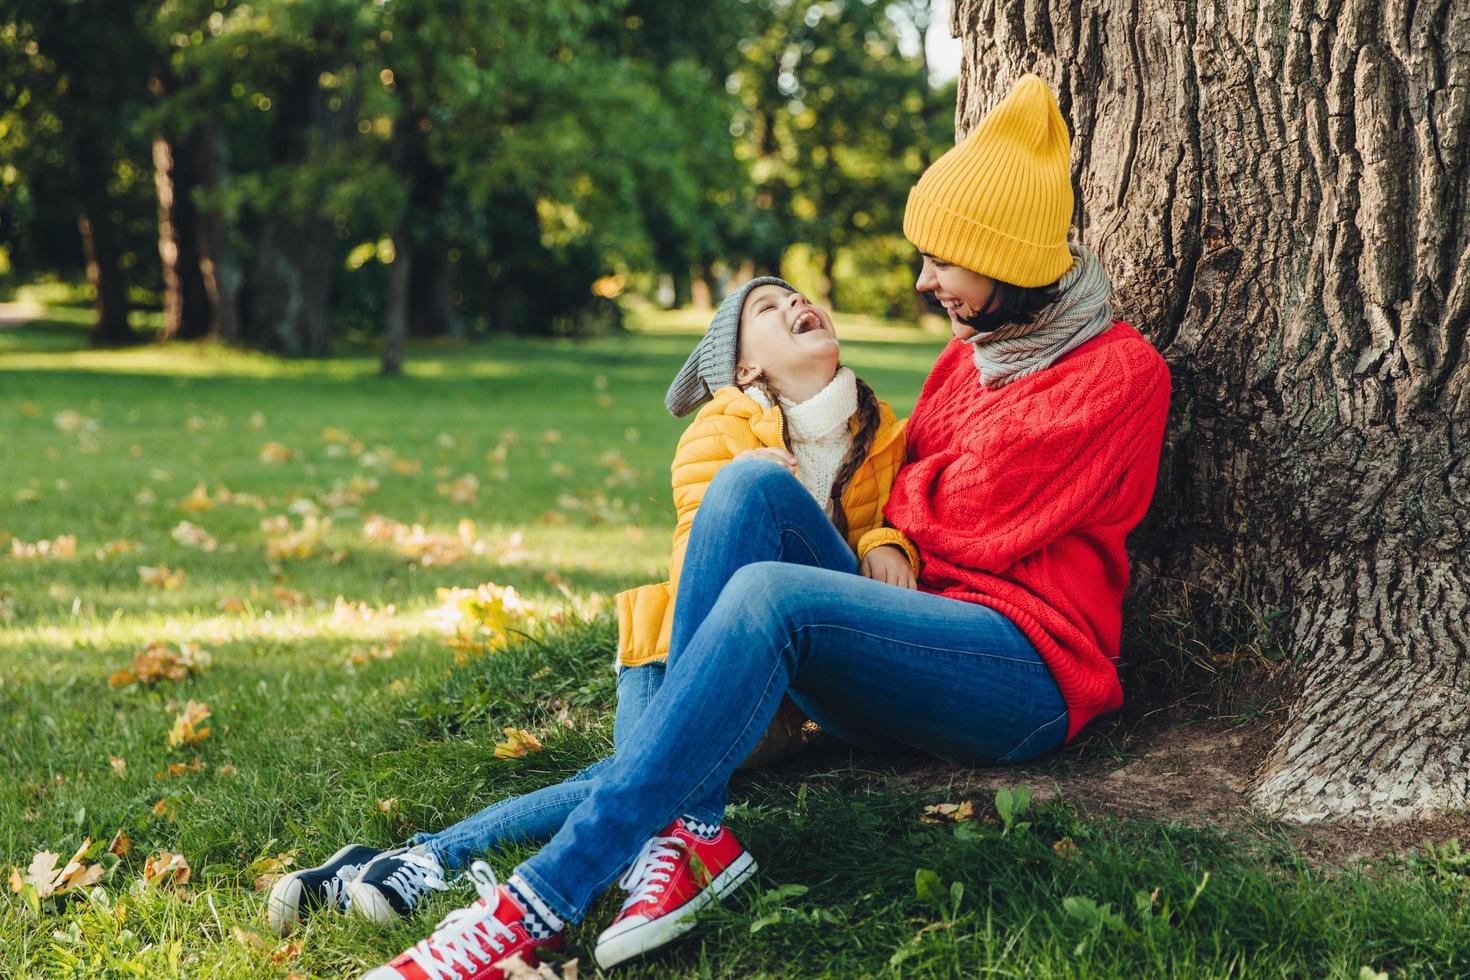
point(862, 441)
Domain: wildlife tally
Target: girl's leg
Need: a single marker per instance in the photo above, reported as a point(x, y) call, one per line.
point(539, 814)
point(950, 678)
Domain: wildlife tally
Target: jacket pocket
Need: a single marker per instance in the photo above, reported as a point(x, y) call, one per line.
point(641, 615)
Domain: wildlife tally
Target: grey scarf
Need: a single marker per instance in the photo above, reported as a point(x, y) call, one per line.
point(1080, 313)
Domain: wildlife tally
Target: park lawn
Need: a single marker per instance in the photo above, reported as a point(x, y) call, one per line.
point(334, 722)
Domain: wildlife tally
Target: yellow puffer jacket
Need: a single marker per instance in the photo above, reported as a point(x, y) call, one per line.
point(729, 425)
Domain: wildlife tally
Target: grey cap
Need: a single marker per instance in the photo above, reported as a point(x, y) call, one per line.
point(711, 366)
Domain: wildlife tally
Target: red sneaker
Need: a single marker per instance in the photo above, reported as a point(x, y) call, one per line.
point(470, 941)
point(674, 876)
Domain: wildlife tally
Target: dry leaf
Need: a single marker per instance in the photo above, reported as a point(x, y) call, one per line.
point(518, 742)
point(943, 813)
point(226, 772)
point(187, 730)
point(166, 870)
point(232, 604)
point(121, 843)
point(62, 546)
point(275, 452)
point(197, 500)
point(47, 880)
point(180, 769)
point(119, 764)
point(193, 536)
point(162, 576)
point(250, 940)
point(296, 544)
point(286, 952)
point(157, 661)
point(289, 598)
point(1066, 848)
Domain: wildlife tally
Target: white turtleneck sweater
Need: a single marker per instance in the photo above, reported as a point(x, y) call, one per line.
point(819, 432)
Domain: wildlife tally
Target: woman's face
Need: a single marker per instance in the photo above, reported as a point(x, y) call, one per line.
point(788, 341)
point(962, 293)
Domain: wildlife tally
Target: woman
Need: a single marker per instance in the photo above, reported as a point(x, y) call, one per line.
point(1032, 452)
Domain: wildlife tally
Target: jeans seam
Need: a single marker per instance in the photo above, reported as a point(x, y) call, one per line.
point(1036, 731)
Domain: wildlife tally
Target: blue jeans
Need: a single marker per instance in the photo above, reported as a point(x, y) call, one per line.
point(770, 604)
point(539, 814)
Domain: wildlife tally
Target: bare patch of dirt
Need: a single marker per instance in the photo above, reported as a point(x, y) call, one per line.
point(1194, 774)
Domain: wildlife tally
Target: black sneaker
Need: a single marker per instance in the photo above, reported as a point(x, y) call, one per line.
point(394, 882)
point(313, 888)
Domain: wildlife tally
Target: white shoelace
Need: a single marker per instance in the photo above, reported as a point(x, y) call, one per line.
point(418, 874)
point(336, 886)
point(465, 937)
point(651, 870)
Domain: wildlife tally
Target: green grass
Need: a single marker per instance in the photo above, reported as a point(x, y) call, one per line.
point(305, 744)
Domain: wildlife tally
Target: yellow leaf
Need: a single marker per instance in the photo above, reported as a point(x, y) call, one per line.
point(518, 742)
point(949, 812)
point(250, 940)
point(388, 805)
point(275, 452)
point(187, 730)
point(158, 661)
point(119, 764)
point(197, 500)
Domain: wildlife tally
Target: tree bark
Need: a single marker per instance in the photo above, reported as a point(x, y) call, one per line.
point(186, 314)
point(1282, 196)
point(295, 253)
point(100, 247)
point(217, 266)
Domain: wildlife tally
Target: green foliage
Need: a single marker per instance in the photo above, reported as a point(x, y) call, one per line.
point(1011, 804)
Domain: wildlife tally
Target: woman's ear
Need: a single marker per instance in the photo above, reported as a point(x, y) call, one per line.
point(746, 374)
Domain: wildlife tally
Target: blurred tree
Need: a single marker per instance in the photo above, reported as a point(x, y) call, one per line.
point(70, 75)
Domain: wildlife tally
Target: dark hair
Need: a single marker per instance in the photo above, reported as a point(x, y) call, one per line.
point(1014, 305)
point(868, 418)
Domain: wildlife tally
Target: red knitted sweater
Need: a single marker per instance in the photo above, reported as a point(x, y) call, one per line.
point(1020, 498)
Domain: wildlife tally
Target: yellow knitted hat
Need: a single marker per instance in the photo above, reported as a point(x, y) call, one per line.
point(1000, 202)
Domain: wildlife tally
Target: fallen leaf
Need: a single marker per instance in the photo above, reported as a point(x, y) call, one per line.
point(289, 598)
point(180, 769)
point(121, 843)
point(158, 661)
point(198, 500)
point(286, 952)
point(275, 452)
point(232, 604)
point(166, 870)
point(1066, 848)
point(297, 544)
point(518, 742)
point(62, 546)
point(943, 813)
point(187, 730)
point(227, 772)
point(119, 764)
point(250, 940)
point(388, 805)
point(193, 536)
point(162, 576)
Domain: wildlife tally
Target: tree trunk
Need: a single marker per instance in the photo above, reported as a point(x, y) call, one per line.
point(186, 314)
point(1280, 193)
point(431, 307)
point(217, 267)
point(296, 252)
point(99, 243)
point(400, 276)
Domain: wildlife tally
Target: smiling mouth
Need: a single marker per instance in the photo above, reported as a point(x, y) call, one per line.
point(806, 322)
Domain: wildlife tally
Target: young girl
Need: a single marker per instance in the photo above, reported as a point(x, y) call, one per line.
point(769, 368)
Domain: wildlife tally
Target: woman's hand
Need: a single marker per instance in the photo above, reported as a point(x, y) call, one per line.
point(888, 563)
point(775, 455)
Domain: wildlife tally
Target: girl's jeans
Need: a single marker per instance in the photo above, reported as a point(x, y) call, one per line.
point(535, 816)
point(770, 603)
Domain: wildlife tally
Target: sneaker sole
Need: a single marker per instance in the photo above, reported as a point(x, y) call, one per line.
point(369, 903)
point(647, 936)
point(283, 908)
